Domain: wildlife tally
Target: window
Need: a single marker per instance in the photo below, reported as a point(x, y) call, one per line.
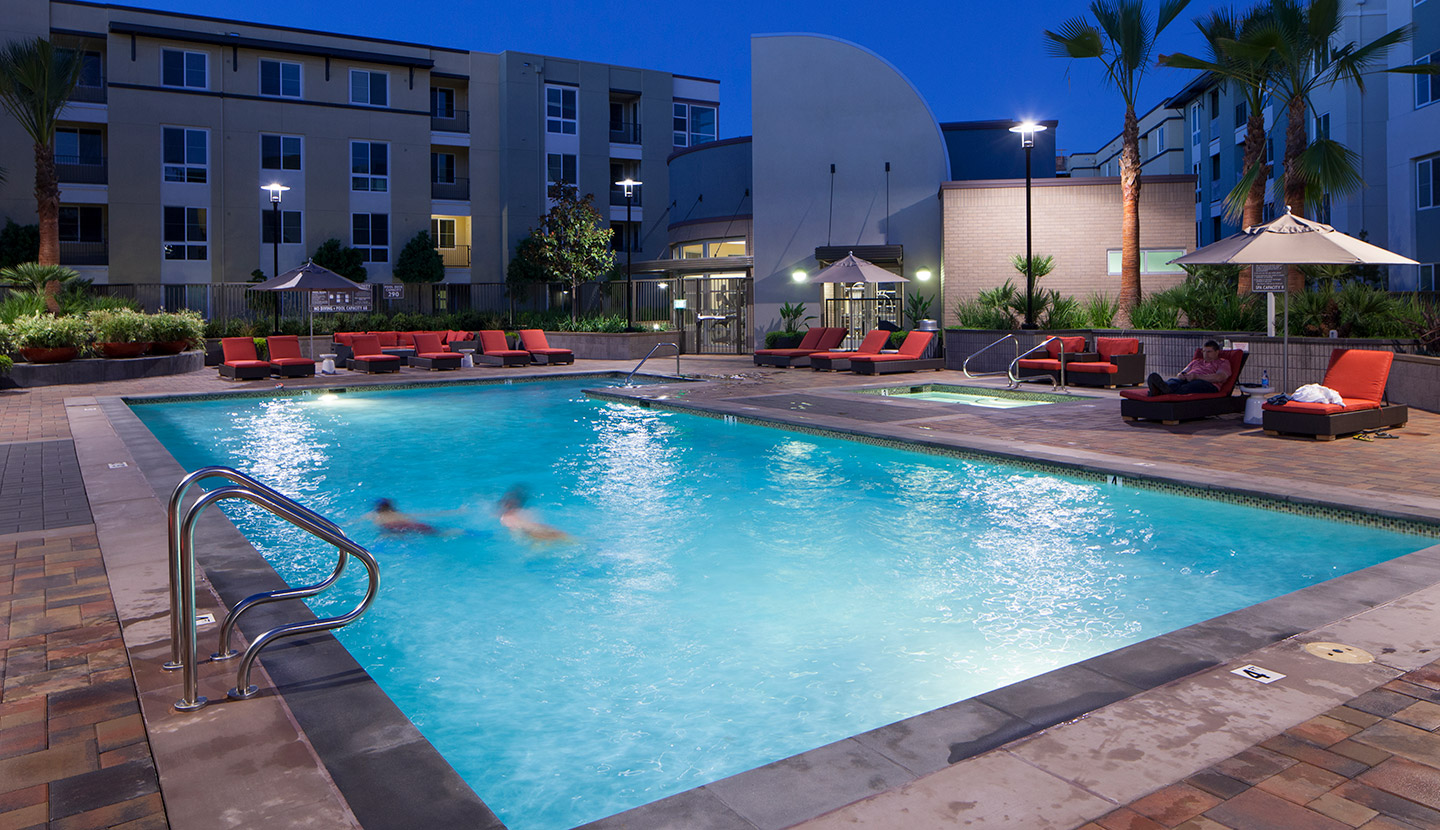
point(185, 233)
point(1322, 126)
point(625, 236)
point(1159, 140)
point(694, 124)
point(370, 232)
point(1427, 276)
point(183, 69)
point(1156, 261)
point(369, 88)
point(1195, 124)
point(1239, 160)
point(1270, 151)
point(442, 232)
point(185, 154)
point(76, 146)
point(1427, 184)
point(369, 166)
point(560, 110)
point(1240, 115)
point(560, 167)
point(1426, 90)
point(289, 223)
point(442, 102)
point(1214, 104)
point(1216, 229)
point(82, 223)
point(280, 78)
point(1267, 212)
point(442, 168)
point(279, 152)
point(92, 70)
point(1215, 168)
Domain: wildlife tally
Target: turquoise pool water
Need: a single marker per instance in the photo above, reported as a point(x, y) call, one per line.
point(735, 594)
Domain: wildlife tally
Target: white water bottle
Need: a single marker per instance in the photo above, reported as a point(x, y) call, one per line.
point(1265, 378)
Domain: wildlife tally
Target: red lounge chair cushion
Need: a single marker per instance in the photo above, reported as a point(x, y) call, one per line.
point(440, 355)
point(291, 361)
point(388, 339)
point(831, 338)
point(457, 336)
point(1348, 405)
point(1073, 345)
point(1047, 365)
point(239, 350)
point(405, 339)
point(377, 358)
point(787, 352)
point(915, 343)
point(1110, 346)
point(283, 346)
point(877, 358)
point(368, 346)
point(809, 343)
point(1094, 367)
point(344, 337)
point(426, 342)
point(493, 343)
point(1359, 373)
point(1144, 395)
point(874, 341)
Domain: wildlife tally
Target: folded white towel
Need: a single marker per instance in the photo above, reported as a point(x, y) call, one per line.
point(1315, 393)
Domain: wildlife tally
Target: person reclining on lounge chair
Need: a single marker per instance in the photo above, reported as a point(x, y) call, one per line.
point(1204, 374)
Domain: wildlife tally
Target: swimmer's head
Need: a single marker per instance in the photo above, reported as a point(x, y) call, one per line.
point(513, 500)
point(384, 506)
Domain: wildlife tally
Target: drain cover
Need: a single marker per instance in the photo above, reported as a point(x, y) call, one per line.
point(1340, 653)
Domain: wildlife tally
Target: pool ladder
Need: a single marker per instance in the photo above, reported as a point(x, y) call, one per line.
point(181, 537)
point(649, 354)
point(1056, 383)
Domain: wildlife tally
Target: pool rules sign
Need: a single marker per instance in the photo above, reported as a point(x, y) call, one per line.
point(1268, 279)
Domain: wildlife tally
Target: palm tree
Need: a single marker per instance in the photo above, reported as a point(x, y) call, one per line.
point(1250, 72)
point(1122, 38)
point(36, 79)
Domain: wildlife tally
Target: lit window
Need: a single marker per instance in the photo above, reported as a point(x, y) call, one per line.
point(280, 78)
point(184, 230)
point(370, 233)
point(369, 166)
point(290, 222)
point(183, 69)
point(369, 88)
point(442, 232)
point(560, 110)
point(185, 156)
point(1156, 261)
point(279, 152)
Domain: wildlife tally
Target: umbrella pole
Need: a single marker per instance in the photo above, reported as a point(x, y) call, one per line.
point(1285, 375)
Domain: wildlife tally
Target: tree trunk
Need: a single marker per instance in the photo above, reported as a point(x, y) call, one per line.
point(1254, 212)
point(47, 207)
point(1129, 218)
point(1295, 142)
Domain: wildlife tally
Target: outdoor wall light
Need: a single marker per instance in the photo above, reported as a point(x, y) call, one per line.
point(798, 275)
point(923, 275)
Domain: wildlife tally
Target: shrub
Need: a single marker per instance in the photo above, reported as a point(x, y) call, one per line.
point(179, 325)
point(19, 243)
point(1156, 311)
point(119, 326)
point(17, 305)
point(43, 331)
point(419, 261)
point(6, 364)
point(346, 261)
point(791, 316)
point(1060, 312)
point(1099, 311)
point(32, 277)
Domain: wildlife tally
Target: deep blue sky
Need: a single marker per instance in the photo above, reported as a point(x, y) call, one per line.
point(971, 60)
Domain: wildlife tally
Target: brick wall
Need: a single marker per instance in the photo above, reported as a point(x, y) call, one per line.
point(1075, 220)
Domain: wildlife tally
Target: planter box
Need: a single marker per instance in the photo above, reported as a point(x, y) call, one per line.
point(623, 346)
point(99, 370)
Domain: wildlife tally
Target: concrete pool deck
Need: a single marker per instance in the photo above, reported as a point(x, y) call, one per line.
point(1151, 716)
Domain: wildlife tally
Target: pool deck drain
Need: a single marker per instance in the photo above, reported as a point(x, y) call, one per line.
point(1090, 768)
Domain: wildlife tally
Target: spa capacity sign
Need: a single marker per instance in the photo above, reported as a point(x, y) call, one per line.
point(1268, 279)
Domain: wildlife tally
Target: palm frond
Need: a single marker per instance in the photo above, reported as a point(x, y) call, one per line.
point(36, 79)
point(1328, 167)
point(1169, 10)
point(1354, 62)
point(1235, 199)
point(1076, 38)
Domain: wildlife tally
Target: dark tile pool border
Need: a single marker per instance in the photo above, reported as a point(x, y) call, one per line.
point(986, 391)
point(354, 725)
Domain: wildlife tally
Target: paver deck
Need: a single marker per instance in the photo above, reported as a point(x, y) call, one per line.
point(74, 751)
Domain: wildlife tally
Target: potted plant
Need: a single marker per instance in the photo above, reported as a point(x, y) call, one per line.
point(175, 332)
point(44, 338)
point(120, 332)
point(791, 316)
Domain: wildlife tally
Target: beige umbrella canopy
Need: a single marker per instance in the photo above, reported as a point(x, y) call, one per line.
point(1292, 240)
point(854, 269)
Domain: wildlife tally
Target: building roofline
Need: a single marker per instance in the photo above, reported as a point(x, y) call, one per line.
point(694, 78)
point(1198, 85)
point(744, 139)
point(184, 36)
point(1085, 181)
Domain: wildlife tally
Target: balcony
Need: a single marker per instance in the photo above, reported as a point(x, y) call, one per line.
point(624, 132)
point(84, 253)
point(81, 169)
point(458, 190)
point(89, 91)
point(456, 121)
point(456, 257)
point(617, 197)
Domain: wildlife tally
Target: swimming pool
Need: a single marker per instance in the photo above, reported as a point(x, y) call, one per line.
point(737, 594)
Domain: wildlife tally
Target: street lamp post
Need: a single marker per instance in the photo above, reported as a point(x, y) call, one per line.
point(275, 190)
point(1027, 131)
point(629, 184)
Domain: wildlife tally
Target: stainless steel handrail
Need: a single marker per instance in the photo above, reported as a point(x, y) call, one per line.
point(300, 517)
point(965, 367)
point(647, 356)
point(172, 526)
point(1054, 382)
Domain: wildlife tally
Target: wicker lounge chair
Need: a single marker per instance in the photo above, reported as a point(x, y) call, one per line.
point(840, 361)
point(1121, 363)
point(534, 342)
point(1049, 366)
point(907, 359)
point(496, 351)
point(1137, 404)
point(369, 358)
point(430, 355)
point(1359, 376)
point(241, 360)
point(816, 340)
point(285, 358)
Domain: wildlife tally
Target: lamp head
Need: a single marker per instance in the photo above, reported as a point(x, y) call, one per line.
point(1027, 131)
point(798, 275)
point(275, 190)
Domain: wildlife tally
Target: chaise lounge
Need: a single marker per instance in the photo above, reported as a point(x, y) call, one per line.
point(367, 356)
point(908, 359)
point(1359, 376)
point(241, 360)
point(429, 354)
point(1121, 363)
point(816, 340)
point(285, 358)
point(495, 350)
point(1064, 351)
point(840, 361)
point(534, 342)
point(1138, 404)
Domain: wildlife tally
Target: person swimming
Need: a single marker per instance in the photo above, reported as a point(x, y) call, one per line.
point(515, 518)
point(390, 520)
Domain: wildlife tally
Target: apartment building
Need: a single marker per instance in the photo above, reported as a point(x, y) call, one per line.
point(1161, 153)
point(181, 122)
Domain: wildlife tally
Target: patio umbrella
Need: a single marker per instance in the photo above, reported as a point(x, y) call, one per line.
point(308, 277)
point(1291, 240)
point(854, 269)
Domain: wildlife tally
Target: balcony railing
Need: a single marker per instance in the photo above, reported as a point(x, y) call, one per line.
point(457, 121)
point(617, 197)
point(82, 169)
point(89, 93)
point(456, 257)
point(458, 189)
point(84, 253)
point(624, 132)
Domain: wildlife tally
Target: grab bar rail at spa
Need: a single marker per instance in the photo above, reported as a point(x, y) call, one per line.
point(965, 367)
point(1055, 383)
point(647, 356)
